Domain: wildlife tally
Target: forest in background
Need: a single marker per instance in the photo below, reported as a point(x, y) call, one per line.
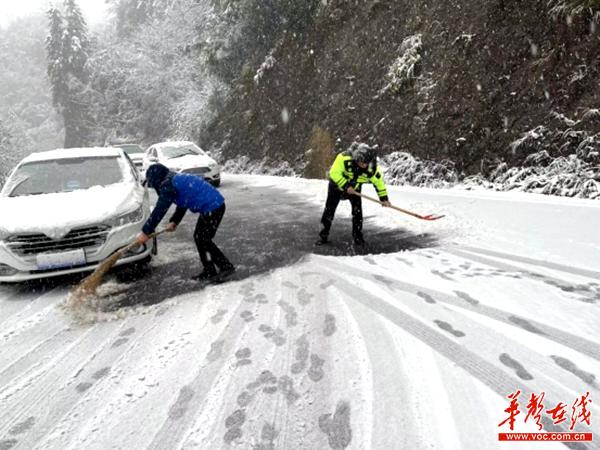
point(469, 85)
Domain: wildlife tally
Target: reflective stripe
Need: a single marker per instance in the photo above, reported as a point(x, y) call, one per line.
point(341, 173)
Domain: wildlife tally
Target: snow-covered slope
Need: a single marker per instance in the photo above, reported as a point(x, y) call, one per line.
point(415, 349)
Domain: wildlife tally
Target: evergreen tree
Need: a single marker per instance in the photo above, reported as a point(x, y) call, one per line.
point(67, 48)
point(131, 14)
point(54, 54)
point(75, 43)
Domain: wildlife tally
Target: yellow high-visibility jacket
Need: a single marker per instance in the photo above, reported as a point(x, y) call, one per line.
point(345, 172)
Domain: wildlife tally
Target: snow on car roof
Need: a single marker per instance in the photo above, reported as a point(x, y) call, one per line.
point(173, 144)
point(64, 153)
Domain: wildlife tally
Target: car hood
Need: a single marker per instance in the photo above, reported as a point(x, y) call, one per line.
point(189, 161)
point(56, 214)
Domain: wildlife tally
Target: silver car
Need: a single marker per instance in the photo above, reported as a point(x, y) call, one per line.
point(135, 153)
point(65, 211)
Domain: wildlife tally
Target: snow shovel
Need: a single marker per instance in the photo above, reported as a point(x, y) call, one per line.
point(89, 284)
point(418, 216)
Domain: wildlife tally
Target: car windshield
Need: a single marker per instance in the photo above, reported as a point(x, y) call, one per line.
point(64, 175)
point(130, 149)
point(177, 152)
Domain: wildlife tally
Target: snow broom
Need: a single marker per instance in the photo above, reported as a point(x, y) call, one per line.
point(410, 213)
point(89, 284)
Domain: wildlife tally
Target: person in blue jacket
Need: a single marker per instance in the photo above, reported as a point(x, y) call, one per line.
point(189, 192)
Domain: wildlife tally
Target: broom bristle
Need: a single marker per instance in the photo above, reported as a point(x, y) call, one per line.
point(90, 283)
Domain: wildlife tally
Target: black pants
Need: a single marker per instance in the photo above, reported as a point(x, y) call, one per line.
point(205, 231)
point(334, 195)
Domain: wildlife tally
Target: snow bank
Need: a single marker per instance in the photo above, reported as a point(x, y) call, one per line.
point(243, 165)
point(402, 168)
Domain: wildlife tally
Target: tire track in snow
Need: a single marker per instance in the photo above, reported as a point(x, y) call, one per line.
point(28, 318)
point(586, 292)
point(17, 299)
point(534, 262)
point(489, 374)
point(91, 369)
point(175, 427)
point(119, 375)
point(580, 344)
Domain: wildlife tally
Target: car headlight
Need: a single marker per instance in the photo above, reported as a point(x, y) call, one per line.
point(213, 166)
point(130, 217)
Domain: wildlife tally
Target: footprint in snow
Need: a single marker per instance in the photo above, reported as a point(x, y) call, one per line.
point(247, 316)
point(441, 275)
point(274, 335)
point(218, 317)
point(428, 298)
point(304, 297)
point(7, 444)
point(22, 427)
point(516, 366)
point(82, 387)
point(181, 405)
point(267, 436)
point(330, 325)
point(216, 351)
point(127, 332)
point(370, 260)
point(302, 353)
point(448, 328)
point(564, 363)
point(291, 316)
point(243, 357)
point(315, 372)
point(234, 423)
point(119, 342)
point(327, 284)
point(467, 298)
point(525, 324)
point(337, 428)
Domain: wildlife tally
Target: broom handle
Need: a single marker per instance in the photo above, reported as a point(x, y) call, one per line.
point(135, 243)
point(391, 206)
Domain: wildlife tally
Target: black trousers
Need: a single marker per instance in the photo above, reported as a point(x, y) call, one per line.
point(205, 231)
point(334, 195)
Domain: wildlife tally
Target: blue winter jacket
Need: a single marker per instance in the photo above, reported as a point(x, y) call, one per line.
point(185, 190)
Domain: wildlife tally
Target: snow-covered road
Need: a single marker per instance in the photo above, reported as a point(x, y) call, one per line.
point(414, 346)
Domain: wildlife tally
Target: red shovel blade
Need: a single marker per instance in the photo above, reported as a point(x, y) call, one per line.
point(431, 217)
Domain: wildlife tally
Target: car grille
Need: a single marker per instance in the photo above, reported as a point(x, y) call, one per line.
point(197, 170)
point(29, 245)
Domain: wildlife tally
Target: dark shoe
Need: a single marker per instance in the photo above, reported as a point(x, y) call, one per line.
point(206, 275)
point(226, 272)
point(359, 240)
point(321, 241)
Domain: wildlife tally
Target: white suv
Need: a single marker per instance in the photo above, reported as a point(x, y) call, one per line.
point(65, 211)
point(184, 157)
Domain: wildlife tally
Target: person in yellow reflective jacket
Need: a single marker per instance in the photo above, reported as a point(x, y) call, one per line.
point(350, 170)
